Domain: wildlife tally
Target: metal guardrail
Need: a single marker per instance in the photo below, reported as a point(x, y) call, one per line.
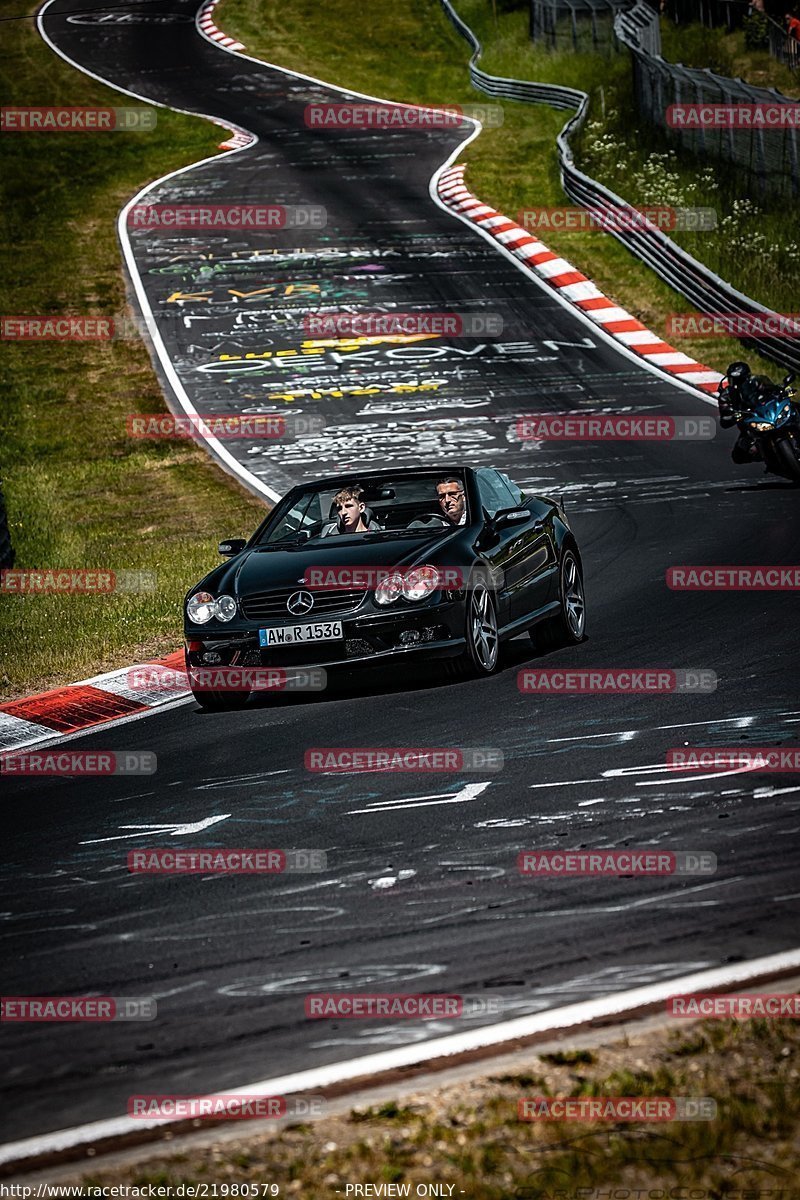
point(705, 290)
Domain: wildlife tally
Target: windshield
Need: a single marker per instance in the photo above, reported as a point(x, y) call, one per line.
point(371, 510)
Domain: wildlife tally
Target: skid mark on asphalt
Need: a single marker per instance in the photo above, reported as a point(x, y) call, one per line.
point(332, 978)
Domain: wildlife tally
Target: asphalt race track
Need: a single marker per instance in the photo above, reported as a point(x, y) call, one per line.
point(421, 892)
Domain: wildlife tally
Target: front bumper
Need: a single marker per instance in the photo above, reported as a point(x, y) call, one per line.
point(436, 631)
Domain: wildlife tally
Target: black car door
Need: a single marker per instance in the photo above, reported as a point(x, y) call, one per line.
point(522, 551)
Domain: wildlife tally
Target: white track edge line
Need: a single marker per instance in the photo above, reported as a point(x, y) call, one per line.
point(492, 1035)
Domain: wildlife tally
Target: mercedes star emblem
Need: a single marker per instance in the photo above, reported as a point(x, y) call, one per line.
point(299, 603)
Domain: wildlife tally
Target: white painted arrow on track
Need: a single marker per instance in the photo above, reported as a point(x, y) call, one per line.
point(173, 829)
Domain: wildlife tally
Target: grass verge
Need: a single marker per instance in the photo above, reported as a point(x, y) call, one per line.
point(80, 493)
point(468, 1136)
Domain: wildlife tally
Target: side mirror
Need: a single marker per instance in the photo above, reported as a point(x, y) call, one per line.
point(232, 546)
point(511, 516)
point(790, 378)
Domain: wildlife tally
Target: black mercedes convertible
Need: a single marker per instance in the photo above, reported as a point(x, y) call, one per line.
point(375, 567)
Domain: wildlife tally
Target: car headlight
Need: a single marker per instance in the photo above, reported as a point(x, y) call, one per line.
point(389, 589)
point(200, 608)
point(761, 426)
point(420, 582)
point(225, 608)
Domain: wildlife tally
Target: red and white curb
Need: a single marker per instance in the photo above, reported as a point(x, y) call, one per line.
point(573, 286)
point(238, 141)
point(95, 701)
point(206, 23)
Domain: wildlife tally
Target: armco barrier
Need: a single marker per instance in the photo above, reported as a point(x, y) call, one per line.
point(705, 290)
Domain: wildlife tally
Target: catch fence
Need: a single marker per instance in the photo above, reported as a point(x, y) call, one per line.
point(768, 157)
point(585, 26)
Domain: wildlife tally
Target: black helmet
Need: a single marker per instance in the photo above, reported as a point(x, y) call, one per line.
point(737, 373)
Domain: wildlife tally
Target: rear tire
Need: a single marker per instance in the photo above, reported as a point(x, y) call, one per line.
point(568, 626)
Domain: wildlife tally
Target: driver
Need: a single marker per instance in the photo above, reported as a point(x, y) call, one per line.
point(741, 393)
point(352, 513)
point(452, 505)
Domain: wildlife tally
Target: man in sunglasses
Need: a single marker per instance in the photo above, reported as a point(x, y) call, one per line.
point(452, 505)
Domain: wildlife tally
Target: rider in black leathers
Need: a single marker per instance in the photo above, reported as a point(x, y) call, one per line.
point(740, 394)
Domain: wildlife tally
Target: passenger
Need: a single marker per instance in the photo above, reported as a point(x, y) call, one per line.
point(352, 513)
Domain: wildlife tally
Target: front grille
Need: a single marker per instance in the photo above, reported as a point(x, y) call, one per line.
point(272, 605)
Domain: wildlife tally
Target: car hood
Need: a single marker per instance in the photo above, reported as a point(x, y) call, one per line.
point(262, 570)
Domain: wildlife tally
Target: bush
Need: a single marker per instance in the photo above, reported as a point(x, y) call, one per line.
point(755, 31)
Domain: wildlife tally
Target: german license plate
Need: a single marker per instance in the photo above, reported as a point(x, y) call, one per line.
point(292, 635)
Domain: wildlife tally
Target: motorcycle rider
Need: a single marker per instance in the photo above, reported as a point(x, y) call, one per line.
point(740, 393)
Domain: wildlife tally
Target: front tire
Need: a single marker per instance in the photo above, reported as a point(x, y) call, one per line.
point(568, 626)
point(786, 457)
point(481, 634)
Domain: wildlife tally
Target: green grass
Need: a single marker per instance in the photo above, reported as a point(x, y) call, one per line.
point(80, 493)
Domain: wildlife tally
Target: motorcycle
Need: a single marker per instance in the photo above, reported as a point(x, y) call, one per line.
point(774, 426)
